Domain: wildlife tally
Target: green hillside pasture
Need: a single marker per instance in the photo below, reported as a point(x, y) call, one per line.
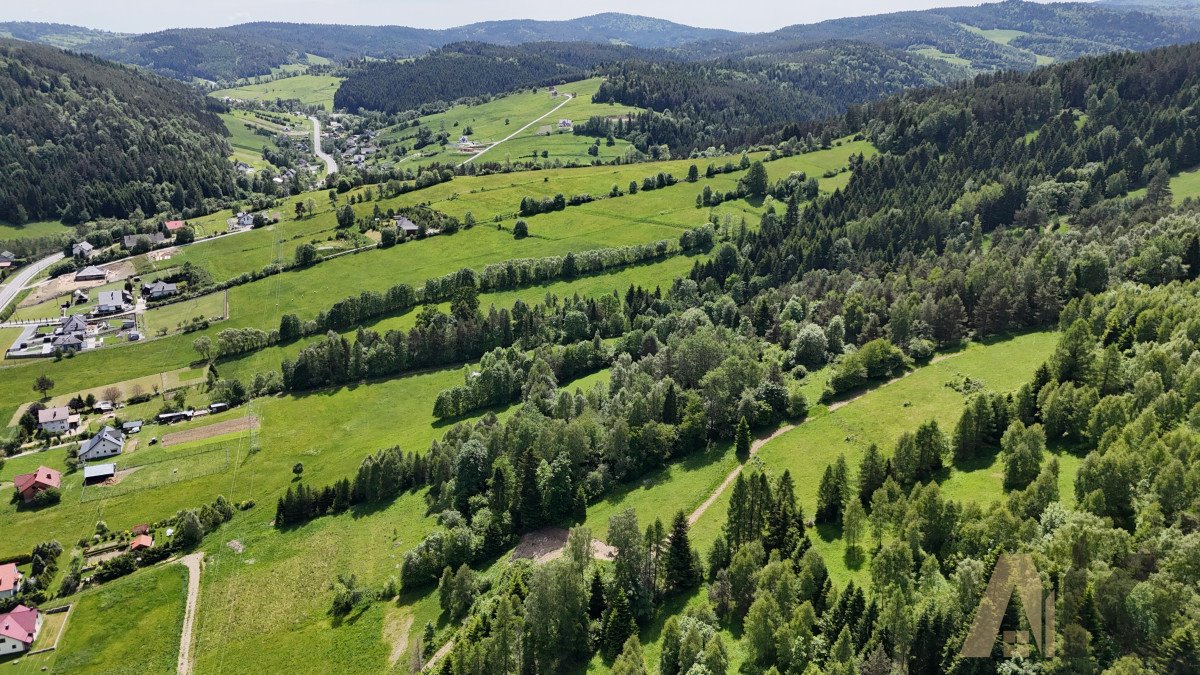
point(329, 431)
point(492, 121)
point(308, 89)
point(41, 228)
point(658, 274)
point(169, 318)
point(130, 625)
point(308, 291)
point(247, 145)
point(1183, 185)
point(156, 467)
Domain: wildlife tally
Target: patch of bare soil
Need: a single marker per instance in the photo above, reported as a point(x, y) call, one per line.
point(121, 269)
point(162, 254)
point(397, 626)
point(201, 433)
point(237, 546)
point(54, 288)
point(119, 476)
point(548, 544)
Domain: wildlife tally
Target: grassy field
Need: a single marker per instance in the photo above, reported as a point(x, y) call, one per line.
point(42, 228)
point(309, 89)
point(640, 218)
point(131, 625)
point(492, 121)
point(169, 318)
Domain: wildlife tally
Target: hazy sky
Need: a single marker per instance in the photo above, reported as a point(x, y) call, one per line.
point(149, 15)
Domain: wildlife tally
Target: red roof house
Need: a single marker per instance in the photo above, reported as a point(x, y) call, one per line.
point(10, 578)
point(18, 629)
point(174, 225)
point(140, 542)
point(29, 484)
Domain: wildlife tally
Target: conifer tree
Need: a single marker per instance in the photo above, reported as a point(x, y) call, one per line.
point(742, 439)
point(681, 572)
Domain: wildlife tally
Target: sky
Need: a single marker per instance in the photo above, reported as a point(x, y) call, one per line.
point(140, 16)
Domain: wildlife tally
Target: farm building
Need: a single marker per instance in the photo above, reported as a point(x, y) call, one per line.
point(103, 406)
point(141, 542)
point(28, 485)
point(138, 530)
point(170, 418)
point(407, 227)
point(57, 420)
point(107, 443)
point(18, 629)
point(91, 273)
point(159, 289)
point(132, 427)
point(98, 473)
point(218, 406)
point(10, 580)
point(83, 249)
point(111, 302)
point(153, 239)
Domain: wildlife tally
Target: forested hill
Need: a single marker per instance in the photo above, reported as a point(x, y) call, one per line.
point(81, 137)
point(255, 48)
point(1003, 35)
point(474, 69)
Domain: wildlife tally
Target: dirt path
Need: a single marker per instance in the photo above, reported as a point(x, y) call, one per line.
point(187, 638)
point(201, 433)
point(754, 447)
point(570, 97)
point(438, 655)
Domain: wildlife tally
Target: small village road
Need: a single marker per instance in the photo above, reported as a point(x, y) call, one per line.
point(518, 131)
point(18, 281)
point(331, 166)
point(187, 638)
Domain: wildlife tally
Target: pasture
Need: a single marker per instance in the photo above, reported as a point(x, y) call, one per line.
point(308, 89)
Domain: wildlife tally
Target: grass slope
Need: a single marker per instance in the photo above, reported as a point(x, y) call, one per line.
point(308, 89)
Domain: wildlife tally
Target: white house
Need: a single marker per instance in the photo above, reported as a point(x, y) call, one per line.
point(18, 629)
point(10, 580)
point(57, 420)
point(107, 443)
point(83, 249)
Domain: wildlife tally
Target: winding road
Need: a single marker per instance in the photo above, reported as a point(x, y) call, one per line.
point(18, 281)
point(331, 166)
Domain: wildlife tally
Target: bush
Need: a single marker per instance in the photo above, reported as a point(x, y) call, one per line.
point(47, 497)
point(520, 230)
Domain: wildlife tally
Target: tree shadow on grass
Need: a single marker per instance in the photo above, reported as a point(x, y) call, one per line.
point(829, 532)
point(854, 558)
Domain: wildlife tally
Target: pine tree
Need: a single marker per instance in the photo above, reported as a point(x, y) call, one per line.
point(681, 572)
point(618, 623)
point(596, 603)
point(742, 439)
point(784, 526)
point(871, 474)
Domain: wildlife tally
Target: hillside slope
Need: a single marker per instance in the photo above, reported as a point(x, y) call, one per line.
point(81, 137)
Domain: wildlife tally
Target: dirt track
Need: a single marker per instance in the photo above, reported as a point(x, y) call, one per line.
point(186, 638)
point(201, 433)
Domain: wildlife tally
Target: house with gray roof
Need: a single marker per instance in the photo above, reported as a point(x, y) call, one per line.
point(83, 249)
point(106, 443)
point(91, 273)
point(111, 302)
point(156, 290)
point(72, 324)
point(407, 227)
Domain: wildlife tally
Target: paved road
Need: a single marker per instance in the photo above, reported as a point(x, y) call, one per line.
point(18, 281)
point(330, 163)
point(510, 136)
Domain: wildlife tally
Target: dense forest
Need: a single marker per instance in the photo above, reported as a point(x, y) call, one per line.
point(473, 69)
point(82, 138)
point(246, 50)
point(737, 102)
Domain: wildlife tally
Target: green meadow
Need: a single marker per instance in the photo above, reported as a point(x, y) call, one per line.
point(308, 89)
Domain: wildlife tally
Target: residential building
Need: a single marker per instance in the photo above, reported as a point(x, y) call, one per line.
point(7, 259)
point(28, 485)
point(106, 443)
point(153, 239)
point(173, 226)
point(10, 580)
point(141, 542)
point(91, 273)
point(83, 249)
point(58, 420)
point(157, 290)
point(112, 302)
point(18, 629)
point(407, 227)
point(71, 325)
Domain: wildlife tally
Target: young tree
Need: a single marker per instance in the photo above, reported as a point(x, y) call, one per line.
point(43, 384)
point(854, 518)
point(619, 625)
point(631, 661)
point(681, 571)
point(204, 347)
point(755, 180)
point(520, 230)
point(742, 439)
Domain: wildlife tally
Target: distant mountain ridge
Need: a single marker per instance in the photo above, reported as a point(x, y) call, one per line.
point(251, 49)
